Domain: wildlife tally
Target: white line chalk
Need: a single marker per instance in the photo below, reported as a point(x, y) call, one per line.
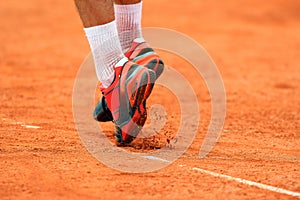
point(20, 123)
point(239, 180)
point(156, 158)
point(251, 183)
point(29, 126)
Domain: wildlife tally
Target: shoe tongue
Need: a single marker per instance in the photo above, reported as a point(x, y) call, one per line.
point(122, 62)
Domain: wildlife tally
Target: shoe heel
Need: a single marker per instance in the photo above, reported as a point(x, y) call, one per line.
point(142, 89)
point(144, 86)
point(160, 69)
point(157, 66)
point(150, 83)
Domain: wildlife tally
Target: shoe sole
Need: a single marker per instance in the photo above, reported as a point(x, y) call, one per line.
point(147, 55)
point(157, 66)
point(129, 123)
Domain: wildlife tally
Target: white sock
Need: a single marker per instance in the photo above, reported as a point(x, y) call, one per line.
point(128, 18)
point(106, 50)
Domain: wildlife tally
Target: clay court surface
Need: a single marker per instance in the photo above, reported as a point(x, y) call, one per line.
point(256, 46)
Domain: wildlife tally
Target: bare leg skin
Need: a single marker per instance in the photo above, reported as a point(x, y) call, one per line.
point(127, 2)
point(95, 12)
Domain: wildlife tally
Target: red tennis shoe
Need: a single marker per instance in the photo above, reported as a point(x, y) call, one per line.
point(140, 53)
point(125, 99)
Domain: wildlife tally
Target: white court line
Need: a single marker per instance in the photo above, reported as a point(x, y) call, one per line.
point(239, 180)
point(30, 126)
point(251, 183)
point(20, 123)
point(156, 158)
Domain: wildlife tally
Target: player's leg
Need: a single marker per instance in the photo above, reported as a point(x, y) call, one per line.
point(100, 27)
point(126, 2)
point(128, 15)
point(125, 85)
point(128, 18)
point(95, 12)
